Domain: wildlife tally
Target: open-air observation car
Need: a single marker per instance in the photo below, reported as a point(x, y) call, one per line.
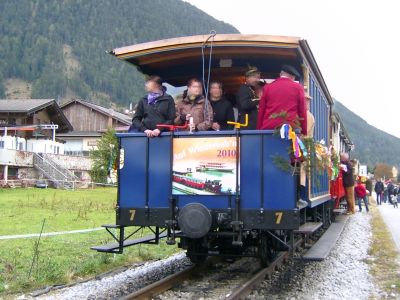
point(219, 192)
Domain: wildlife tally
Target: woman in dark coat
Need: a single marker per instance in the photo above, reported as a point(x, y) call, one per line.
point(222, 108)
point(157, 107)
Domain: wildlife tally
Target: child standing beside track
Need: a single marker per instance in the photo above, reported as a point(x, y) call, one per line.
point(393, 199)
point(361, 194)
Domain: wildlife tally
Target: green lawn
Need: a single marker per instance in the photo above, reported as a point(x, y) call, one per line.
point(64, 258)
point(385, 264)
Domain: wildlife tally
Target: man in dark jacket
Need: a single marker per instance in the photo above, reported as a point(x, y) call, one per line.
point(247, 99)
point(390, 190)
point(379, 189)
point(157, 107)
point(283, 101)
point(368, 186)
point(348, 181)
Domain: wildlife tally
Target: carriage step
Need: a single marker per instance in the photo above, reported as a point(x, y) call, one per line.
point(339, 211)
point(309, 227)
point(111, 226)
point(114, 247)
point(321, 249)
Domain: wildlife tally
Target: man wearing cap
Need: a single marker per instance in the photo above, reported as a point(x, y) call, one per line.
point(283, 102)
point(247, 99)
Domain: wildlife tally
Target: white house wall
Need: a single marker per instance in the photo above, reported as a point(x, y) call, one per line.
point(80, 144)
point(16, 158)
point(73, 145)
point(45, 146)
point(13, 142)
point(89, 143)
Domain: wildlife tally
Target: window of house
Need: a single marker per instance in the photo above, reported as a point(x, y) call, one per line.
point(12, 173)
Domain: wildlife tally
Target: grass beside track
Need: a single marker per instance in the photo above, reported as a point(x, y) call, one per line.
point(384, 265)
point(64, 258)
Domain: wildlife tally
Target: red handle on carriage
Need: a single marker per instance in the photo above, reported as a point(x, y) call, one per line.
point(173, 127)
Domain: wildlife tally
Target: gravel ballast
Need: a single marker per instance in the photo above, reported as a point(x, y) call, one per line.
point(111, 287)
point(343, 275)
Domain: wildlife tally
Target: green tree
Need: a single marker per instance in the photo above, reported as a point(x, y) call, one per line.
point(383, 171)
point(34, 37)
point(2, 89)
point(372, 145)
point(104, 156)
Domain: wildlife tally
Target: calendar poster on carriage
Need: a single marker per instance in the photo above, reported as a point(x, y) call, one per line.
point(204, 166)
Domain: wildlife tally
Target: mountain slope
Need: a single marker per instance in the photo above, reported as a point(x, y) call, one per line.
point(372, 145)
point(59, 46)
point(56, 49)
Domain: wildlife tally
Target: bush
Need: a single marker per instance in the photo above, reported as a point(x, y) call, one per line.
point(104, 156)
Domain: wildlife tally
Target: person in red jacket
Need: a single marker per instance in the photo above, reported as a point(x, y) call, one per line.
point(361, 194)
point(283, 102)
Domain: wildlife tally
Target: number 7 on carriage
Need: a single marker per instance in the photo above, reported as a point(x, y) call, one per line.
point(278, 216)
point(132, 214)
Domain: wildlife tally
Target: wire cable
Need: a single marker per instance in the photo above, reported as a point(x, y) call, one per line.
point(206, 84)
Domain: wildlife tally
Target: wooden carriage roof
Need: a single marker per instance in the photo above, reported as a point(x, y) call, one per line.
point(178, 59)
point(198, 40)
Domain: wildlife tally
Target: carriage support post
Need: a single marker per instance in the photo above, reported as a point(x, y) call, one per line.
point(237, 224)
point(171, 224)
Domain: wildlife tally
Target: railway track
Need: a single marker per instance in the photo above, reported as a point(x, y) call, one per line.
point(242, 290)
point(162, 285)
point(158, 287)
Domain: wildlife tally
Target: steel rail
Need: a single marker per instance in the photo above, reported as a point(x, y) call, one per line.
point(244, 290)
point(156, 288)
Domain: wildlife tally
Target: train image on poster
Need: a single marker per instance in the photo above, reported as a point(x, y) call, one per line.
point(204, 166)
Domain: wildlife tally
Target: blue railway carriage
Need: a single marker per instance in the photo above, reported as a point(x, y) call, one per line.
point(219, 193)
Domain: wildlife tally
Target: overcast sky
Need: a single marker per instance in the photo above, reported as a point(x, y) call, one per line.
point(356, 45)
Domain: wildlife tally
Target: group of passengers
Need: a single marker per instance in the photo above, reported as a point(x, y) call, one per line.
point(267, 105)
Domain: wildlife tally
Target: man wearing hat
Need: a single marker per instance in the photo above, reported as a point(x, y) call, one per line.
point(283, 101)
point(247, 99)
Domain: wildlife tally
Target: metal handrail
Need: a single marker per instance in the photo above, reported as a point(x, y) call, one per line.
point(46, 161)
point(46, 173)
point(59, 166)
point(56, 166)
